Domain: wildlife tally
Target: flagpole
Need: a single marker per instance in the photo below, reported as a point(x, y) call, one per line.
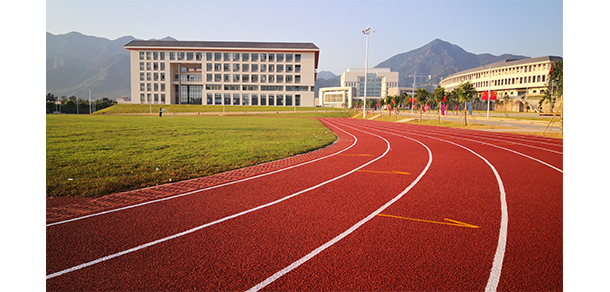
point(367, 32)
point(489, 91)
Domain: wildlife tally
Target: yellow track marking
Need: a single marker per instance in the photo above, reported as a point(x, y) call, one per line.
point(377, 171)
point(455, 223)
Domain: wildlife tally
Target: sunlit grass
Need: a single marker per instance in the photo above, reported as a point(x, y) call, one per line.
point(95, 155)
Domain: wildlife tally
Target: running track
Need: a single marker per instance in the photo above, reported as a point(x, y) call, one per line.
point(389, 207)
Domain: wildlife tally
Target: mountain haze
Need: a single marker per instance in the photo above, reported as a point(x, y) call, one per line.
point(76, 62)
point(438, 59)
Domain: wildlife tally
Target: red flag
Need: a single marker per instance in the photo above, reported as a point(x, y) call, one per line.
point(494, 95)
point(392, 101)
point(410, 99)
point(445, 99)
point(484, 97)
point(552, 69)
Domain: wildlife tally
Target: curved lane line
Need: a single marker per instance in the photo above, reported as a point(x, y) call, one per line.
point(347, 232)
point(496, 269)
point(91, 263)
point(414, 132)
point(204, 189)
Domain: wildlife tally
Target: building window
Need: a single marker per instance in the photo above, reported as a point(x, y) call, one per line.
point(254, 78)
point(163, 97)
point(148, 66)
point(141, 96)
point(297, 58)
point(289, 68)
point(254, 57)
point(271, 78)
point(271, 99)
point(235, 57)
point(263, 99)
point(217, 56)
point(236, 98)
point(280, 68)
point(209, 77)
point(279, 100)
point(263, 67)
point(245, 57)
point(245, 67)
point(235, 77)
point(288, 99)
point(271, 67)
point(155, 55)
point(155, 66)
point(162, 56)
point(141, 55)
point(263, 57)
point(198, 56)
point(162, 86)
point(209, 97)
point(245, 99)
point(288, 78)
point(217, 98)
point(271, 57)
point(156, 77)
point(217, 67)
point(142, 87)
point(297, 68)
point(254, 67)
point(208, 56)
point(254, 99)
point(172, 56)
point(227, 57)
point(147, 55)
point(162, 66)
point(297, 100)
point(297, 79)
point(245, 77)
point(180, 55)
point(280, 57)
point(156, 95)
point(263, 78)
point(226, 67)
point(235, 67)
point(217, 77)
point(289, 57)
point(141, 76)
point(141, 66)
point(227, 99)
point(227, 78)
point(280, 78)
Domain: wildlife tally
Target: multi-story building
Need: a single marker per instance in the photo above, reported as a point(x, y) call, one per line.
point(223, 73)
point(522, 81)
point(379, 83)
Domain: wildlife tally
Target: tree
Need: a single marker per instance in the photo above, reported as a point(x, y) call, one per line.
point(438, 95)
point(465, 93)
point(421, 95)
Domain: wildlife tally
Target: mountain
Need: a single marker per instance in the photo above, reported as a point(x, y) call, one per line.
point(438, 59)
point(326, 79)
point(76, 62)
point(327, 75)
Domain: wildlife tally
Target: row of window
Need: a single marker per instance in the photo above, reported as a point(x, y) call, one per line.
point(235, 67)
point(512, 81)
point(228, 87)
point(156, 66)
point(250, 99)
point(219, 56)
point(253, 78)
point(502, 71)
point(152, 97)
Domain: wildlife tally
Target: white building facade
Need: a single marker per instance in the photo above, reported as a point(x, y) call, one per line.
point(523, 81)
point(223, 73)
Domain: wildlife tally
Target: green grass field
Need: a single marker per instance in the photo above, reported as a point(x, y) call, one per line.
point(95, 155)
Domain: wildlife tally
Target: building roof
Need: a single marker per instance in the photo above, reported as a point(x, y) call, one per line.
point(221, 45)
point(506, 63)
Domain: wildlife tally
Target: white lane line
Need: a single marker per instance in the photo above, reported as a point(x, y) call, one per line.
point(496, 269)
point(204, 189)
point(414, 132)
point(97, 261)
point(347, 232)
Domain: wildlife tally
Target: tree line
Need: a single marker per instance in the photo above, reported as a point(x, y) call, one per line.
point(461, 97)
point(74, 105)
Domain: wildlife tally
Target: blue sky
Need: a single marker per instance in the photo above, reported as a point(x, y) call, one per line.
point(531, 28)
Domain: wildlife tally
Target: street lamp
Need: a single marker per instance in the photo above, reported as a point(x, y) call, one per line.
point(367, 32)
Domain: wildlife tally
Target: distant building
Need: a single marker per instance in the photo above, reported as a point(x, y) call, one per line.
point(522, 81)
point(379, 82)
point(223, 73)
point(123, 99)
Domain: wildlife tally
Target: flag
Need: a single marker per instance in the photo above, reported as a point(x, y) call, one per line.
point(423, 107)
point(410, 99)
point(443, 109)
point(484, 96)
point(494, 95)
point(445, 99)
point(392, 101)
point(470, 107)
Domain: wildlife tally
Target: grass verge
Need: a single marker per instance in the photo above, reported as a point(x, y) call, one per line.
point(191, 108)
point(96, 155)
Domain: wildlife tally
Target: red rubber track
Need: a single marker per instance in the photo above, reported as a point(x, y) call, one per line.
point(385, 253)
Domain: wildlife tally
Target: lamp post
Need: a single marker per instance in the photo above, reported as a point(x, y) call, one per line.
point(489, 92)
point(89, 100)
point(367, 32)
